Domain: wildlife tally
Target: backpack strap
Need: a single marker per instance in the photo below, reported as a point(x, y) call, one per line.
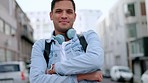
point(47, 51)
point(82, 41)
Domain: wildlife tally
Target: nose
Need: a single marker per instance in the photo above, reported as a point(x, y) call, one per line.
point(64, 15)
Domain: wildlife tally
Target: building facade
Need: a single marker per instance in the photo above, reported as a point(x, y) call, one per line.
point(24, 34)
point(8, 27)
point(137, 33)
point(124, 32)
point(86, 20)
point(13, 43)
point(111, 29)
point(41, 24)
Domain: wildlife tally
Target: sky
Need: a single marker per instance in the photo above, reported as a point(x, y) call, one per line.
point(44, 5)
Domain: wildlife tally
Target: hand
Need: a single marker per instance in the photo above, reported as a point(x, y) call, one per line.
point(51, 70)
point(94, 76)
point(97, 76)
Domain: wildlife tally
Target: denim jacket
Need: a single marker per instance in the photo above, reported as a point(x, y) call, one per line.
point(77, 61)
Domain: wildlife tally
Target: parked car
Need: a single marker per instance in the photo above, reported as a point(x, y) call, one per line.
point(106, 73)
point(13, 72)
point(121, 73)
point(144, 77)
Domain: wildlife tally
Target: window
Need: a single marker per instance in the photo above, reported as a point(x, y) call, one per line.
point(9, 68)
point(13, 31)
point(2, 54)
point(132, 32)
point(133, 48)
point(143, 8)
point(9, 55)
point(118, 59)
point(7, 29)
point(1, 26)
point(131, 9)
point(137, 47)
point(124, 70)
point(141, 48)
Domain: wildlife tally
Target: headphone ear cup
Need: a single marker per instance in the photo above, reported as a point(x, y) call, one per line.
point(71, 33)
point(60, 38)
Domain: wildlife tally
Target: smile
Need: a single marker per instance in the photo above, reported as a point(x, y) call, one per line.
point(64, 22)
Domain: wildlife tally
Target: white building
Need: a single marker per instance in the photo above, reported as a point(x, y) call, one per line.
point(41, 24)
point(124, 31)
point(86, 20)
point(112, 33)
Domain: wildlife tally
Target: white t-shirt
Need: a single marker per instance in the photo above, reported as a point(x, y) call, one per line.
point(63, 56)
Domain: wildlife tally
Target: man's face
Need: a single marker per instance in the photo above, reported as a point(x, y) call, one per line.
point(63, 16)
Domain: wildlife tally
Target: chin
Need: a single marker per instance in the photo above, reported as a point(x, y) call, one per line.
point(66, 28)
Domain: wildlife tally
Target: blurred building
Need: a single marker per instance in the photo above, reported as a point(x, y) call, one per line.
point(124, 33)
point(41, 24)
point(8, 27)
point(13, 44)
point(86, 20)
point(111, 28)
point(24, 34)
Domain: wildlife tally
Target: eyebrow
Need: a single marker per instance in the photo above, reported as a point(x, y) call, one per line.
point(64, 9)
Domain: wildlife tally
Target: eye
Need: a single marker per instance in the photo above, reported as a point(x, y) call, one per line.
point(58, 11)
point(69, 11)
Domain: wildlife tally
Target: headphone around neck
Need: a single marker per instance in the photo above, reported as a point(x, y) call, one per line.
point(70, 33)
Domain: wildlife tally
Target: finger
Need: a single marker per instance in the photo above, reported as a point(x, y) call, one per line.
point(100, 78)
point(100, 74)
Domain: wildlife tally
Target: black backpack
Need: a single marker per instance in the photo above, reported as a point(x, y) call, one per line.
point(48, 45)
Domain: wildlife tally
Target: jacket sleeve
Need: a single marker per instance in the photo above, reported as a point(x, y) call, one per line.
point(87, 62)
point(38, 67)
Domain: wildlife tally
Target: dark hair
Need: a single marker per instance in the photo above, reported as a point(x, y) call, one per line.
point(54, 1)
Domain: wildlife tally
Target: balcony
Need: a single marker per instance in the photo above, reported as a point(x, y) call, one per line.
point(139, 47)
point(26, 34)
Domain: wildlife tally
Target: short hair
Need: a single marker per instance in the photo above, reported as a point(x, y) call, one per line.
point(54, 1)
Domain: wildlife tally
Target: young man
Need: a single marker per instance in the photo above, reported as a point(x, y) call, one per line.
point(68, 62)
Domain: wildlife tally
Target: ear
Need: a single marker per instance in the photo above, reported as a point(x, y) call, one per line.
point(51, 15)
point(75, 15)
